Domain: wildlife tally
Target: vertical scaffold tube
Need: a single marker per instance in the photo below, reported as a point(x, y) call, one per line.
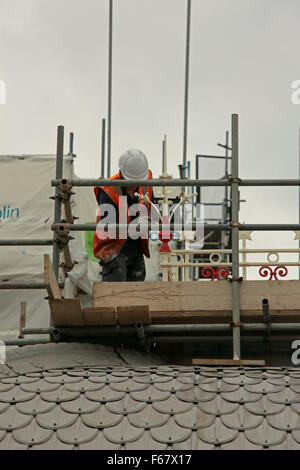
point(186, 91)
point(299, 199)
point(57, 206)
point(103, 149)
point(71, 143)
point(235, 238)
point(110, 46)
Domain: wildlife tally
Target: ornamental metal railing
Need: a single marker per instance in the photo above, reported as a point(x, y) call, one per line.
point(177, 265)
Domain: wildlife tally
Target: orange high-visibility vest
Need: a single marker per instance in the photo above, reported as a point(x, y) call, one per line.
point(108, 248)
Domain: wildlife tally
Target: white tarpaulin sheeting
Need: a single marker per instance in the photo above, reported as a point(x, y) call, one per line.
point(27, 212)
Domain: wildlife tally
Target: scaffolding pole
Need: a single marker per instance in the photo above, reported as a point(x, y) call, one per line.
point(103, 149)
point(154, 182)
point(226, 206)
point(161, 330)
point(24, 342)
point(180, 227)
point(25, 285)
point(27, 242)
point(58, 201)
point(178, 182)
point(110, 45)
point(186, 88)
point(71, 144)
point(235, 238)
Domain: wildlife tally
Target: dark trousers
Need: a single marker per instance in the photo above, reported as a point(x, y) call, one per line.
point(127, 266)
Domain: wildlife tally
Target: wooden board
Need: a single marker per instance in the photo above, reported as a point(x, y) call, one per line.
point(105, 316)
point(132, 315)
point(228, 362)
point(163, 296)
point(50, 279)
point(66, 312)
point(203, 301)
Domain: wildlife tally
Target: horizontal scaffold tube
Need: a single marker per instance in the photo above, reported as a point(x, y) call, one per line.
point(25, 285)
point(248, 327)
point(24, 342)
point(180, 182)
point(153, 182)
point(179, 227)
point(124, 331)
point(210, 339)
point(39, 331)
point(153, 225)
point(115, 340)
point(28, 242)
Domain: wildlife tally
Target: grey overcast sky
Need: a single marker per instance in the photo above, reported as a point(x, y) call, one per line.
point(244, 58)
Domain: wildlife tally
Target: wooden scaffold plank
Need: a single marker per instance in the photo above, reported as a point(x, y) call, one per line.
point(130, 315)
point(202, 301)
point(66, 312)
point(100, 316)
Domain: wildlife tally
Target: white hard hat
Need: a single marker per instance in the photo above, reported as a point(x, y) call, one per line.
point(134, 165)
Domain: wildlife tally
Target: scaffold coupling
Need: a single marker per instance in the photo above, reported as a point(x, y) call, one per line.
point(235, 224)
point(234, 278)
point(67, 267)
point(237, 324)
point(234, 179)
point(65, 187)
point(63, 236)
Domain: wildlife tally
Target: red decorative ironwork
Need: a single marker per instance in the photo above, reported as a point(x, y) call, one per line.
point(165, 236)
point(215, 273)
point(222, 271)
point(208, 271)
point(267, 270)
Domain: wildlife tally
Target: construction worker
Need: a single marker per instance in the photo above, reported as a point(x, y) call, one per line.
point(122, 259)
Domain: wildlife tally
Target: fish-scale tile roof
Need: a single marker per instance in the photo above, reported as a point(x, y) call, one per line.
point(139, 405)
